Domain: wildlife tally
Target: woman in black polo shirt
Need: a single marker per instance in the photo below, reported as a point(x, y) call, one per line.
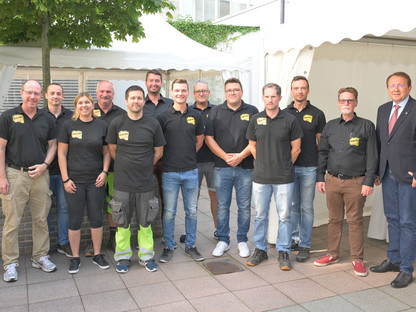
point(84, 159)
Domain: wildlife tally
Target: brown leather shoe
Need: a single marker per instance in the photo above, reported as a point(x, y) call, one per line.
point(385, 266)
point(402, 280)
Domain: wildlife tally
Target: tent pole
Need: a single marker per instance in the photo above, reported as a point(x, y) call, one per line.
point(282, 12)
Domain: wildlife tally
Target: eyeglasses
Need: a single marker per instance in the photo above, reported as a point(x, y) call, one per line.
point(398, 86)
point(345, 101)
point(232, 90)
point(201, 91)
point(30, 93)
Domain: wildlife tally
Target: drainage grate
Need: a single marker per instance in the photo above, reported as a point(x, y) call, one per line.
point(224, 266)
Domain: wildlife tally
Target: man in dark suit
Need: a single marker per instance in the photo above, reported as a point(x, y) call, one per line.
point(396, 132)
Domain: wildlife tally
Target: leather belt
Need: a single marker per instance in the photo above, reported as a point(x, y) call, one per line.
point(342, 176)
point(18, 168)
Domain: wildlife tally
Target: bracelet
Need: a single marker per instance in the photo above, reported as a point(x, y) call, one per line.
point(106, 172)
point(47, 165)
point(66, 180)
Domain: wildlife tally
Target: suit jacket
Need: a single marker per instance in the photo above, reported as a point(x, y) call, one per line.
point(399, 148)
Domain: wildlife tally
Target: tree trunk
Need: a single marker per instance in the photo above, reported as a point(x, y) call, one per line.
point(46, 56)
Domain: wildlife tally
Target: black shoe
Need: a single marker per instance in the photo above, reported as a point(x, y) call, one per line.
point(194, 254)
point(100, 261)
point(402, 280)
point(89, 250)
point(216, 235)
point(65, 249)
point(257, 257)
point(74, 265)
point(166, 255)
point(295, 246)
point(182, 238)
point(385, 266)
point(284, 261)
point(303, 254)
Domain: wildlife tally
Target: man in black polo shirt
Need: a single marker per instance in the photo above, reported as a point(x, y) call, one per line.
point(204, 157)
point(275, 138)
point(106, 110)
point(312, 122)
point(155, 103)
point(348, 153)
point(136, 144)
point(226, 137)
point(27, 147)
point(55, 94)
point(184, 133)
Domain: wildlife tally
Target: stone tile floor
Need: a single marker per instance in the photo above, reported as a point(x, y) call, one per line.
point(184, 285)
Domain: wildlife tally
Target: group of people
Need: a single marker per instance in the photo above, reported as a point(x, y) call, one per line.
point(107, 157)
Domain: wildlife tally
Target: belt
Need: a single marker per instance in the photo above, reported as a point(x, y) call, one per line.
point(18, 168)
point(343, 177)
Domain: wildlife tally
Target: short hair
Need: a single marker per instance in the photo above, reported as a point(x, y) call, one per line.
point(154, 72)
point(106, 81)
point(201, 82)
point(400, 74)
point(24, 83)
point(233, 80)
point(272, 86)
point(55, 84)
point(75, 116)
point(350, 90)
point(133, 88)
point(180, 80)
point(297, 78)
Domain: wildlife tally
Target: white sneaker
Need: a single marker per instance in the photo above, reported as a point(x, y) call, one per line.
point(44, 264)
point(11, 274)
point(243, 249)
point(220, 249)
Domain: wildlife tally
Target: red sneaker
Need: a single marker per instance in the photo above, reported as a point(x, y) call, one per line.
point(325, 261)
point(359, 268)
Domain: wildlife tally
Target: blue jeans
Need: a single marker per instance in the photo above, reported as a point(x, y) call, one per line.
point(187, 181)
point(399, 207)
point(57, 187)
point(302, 205)
point(225, 179)
point(262, 195)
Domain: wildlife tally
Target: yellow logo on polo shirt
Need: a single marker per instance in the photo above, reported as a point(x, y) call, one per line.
point(97, 112)
point(18, 118)
point(245, 117)
point(76, 134)
point(190, 120)
point(123, 135)
point(355, 141)
point(307, 118)
point(262, 121)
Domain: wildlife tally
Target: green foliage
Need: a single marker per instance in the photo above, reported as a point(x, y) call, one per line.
point(208, 34)
point(75, 23)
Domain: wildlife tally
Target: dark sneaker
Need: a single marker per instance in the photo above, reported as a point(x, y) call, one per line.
point(182, 238)
point(303, 254)
point(149, 265)
point(111, 244)
point(89, 250)
point(284, 261)
point(295, 246)
point(257, 257)
point(65, 249)
point(216, 235)
point(100, 261)
point(74, 265)
point(166, 255)
point(194, 254)
point(123, 266)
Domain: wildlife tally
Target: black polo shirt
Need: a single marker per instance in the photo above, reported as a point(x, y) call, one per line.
point(85, 148)
point(204, 154)
point(135, 140)
point(114, 112)
point(64, 115)
point(27, 139)
point(348, 148)
point(273, 163)
point(229, 127)
point(312, 121)
point(150, 108)
point(180, 130)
